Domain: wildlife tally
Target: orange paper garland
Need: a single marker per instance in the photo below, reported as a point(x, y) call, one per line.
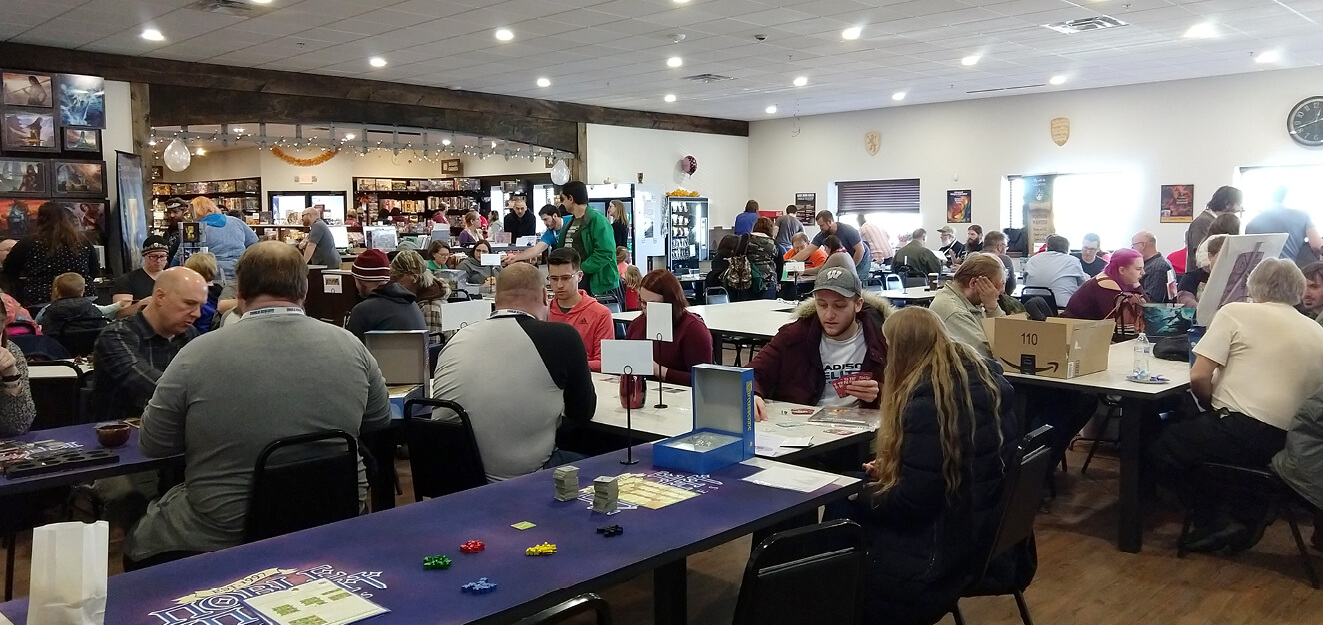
point(305, 162)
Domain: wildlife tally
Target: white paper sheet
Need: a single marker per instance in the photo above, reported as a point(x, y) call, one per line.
point(636, 356)
point(791, 479)
point(321, 600)
point(794, 266)
point(660, 322)
point(456, 315)
point(491, 260)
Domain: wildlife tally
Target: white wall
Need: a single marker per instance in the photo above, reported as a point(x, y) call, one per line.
point(1183, 132)
point(620, 153)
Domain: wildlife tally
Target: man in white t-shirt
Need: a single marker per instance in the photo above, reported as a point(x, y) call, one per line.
point(1255, 366)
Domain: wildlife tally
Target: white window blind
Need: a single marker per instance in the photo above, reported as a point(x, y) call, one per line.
point(871, 196)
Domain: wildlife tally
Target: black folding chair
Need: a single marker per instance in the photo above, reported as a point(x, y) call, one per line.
point(1262, 482)
point(459, 295)
point(443, 455)
point(1022, 493)
point(581, 604)
point(59, 400)
point(79, 342)
point(1046, 294)
point(805, 576)
point(318, 486)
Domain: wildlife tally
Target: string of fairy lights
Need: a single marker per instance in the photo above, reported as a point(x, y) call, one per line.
point(360, 141)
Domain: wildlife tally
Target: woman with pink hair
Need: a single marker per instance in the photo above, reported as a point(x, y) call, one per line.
point(1104, 294)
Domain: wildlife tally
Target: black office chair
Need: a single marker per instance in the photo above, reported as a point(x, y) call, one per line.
point(1262, 482)
point(1022, 493)
point(581, 604)
point(79, 342)
point(59, 400)
point(1046, 294)
point(315, 488)
point(805, 576)
point(443, 455)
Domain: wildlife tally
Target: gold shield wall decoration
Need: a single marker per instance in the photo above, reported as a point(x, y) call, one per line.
point(872, 142)
point(1060, 130)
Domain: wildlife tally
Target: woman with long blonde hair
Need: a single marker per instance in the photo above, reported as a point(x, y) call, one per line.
point(946, 436)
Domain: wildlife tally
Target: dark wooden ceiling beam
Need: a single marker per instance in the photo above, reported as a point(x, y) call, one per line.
point(166, 72)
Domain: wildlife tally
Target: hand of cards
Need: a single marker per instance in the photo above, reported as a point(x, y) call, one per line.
point(840, 383)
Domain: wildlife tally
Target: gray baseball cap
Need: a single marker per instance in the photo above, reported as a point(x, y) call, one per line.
point(843, 281)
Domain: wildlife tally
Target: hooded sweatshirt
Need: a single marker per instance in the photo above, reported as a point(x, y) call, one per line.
point(593, 322)
point(227, 238)
point(390, 307)
point(72, 314)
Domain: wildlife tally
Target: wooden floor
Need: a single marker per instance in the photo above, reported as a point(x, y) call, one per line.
point(1082, 578)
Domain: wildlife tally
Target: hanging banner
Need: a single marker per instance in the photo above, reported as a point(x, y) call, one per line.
point(1177, 204)
point(132, 208)
point(806, 207)
point(1038, 209)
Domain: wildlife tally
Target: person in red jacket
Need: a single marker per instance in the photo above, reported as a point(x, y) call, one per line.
point(837, 332)
point(691, 342)
point(576, 307)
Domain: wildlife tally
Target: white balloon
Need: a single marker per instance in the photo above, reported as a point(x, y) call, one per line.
point(176, 155)
point(560, 172)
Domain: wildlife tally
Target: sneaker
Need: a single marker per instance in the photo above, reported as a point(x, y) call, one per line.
point(1250, 535)
point(1212, 540)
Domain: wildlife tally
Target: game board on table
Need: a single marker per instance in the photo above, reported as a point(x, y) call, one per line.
point(646, 491)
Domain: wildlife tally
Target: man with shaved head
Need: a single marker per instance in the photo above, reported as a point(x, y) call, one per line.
point(1158, 274)
point(319, 245)
point(219, 408)
point(133, 352)
point(515, 425)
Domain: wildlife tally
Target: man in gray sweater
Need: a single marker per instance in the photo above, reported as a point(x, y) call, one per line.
point(274, 373)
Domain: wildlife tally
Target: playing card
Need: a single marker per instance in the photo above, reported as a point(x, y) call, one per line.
point(839, 432)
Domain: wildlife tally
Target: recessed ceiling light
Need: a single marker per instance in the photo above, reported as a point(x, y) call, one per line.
point(377, 61)
point(349, 136)
point(504, 34)
point(544, 82)
point(970, 60)
point(674, 61)
point(898, 96)
point(1057, 80)
point(852, 32)
point(238, 130)
point(1271, 56)
point(260, 1)
point(801, 81)
point(151, 34)
point(1201, 31)
point(670, 97)
point(771, 110)
point(445, 142)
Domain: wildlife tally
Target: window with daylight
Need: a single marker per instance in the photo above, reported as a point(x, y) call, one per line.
point(1081, 203)
point(892, 205)
point(1299, 186)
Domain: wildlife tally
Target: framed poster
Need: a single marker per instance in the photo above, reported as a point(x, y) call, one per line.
point(82, 101)
point(806, 207)
point(958, 210)
point(132, 208)
point(79, 178)
point(88, 215)
point(18, 215)
point(28, 89)
point(1177, 204)
point(25, 176)
point(82, 140)
point(28, 131)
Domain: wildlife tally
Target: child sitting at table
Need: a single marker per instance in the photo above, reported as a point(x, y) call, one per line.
point(632, 279)
point(69, 311)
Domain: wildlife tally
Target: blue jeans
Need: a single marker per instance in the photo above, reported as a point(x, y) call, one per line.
point(561, 457)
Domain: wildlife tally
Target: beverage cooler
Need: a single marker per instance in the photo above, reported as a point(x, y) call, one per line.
point(647, 218)
point(686, 239)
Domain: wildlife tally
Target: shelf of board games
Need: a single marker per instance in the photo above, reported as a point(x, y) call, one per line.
point(418, 197)
point(242, 194)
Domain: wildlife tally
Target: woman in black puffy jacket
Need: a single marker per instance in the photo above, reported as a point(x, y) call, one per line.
point(944, 444)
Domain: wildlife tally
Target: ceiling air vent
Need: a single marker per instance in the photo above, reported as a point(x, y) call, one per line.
point(231, 7)
point(1097, 22)
point(708, 78)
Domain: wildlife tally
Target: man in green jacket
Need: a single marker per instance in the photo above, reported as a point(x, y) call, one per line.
point(589, 234)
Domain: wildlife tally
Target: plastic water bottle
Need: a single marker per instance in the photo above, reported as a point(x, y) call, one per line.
point(1143, 355)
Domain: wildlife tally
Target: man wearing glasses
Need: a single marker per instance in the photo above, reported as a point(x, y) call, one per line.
point(576, 307)
point(1091, 255)
point(132, 287)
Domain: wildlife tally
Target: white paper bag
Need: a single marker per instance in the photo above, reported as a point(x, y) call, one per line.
point(68, 584)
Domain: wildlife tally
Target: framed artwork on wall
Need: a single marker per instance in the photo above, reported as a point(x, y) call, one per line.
point(28, 131)
point(18, 215)
point(88, 215)
point(82, 140)
point(79, 178)
point(25, 176)
point(28, 89)
point(82, 101)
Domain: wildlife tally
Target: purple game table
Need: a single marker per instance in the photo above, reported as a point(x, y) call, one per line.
point(380, 555)
point(131, 460)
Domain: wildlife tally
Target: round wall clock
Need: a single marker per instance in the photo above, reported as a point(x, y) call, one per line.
point(1306, 122)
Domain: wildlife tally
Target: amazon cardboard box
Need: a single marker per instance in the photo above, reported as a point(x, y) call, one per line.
point(1055, 348)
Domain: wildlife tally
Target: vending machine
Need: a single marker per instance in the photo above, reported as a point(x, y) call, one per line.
point(687, 236)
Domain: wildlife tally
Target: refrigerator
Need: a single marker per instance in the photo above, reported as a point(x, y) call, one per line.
point(687, 236)
point(647, 218)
